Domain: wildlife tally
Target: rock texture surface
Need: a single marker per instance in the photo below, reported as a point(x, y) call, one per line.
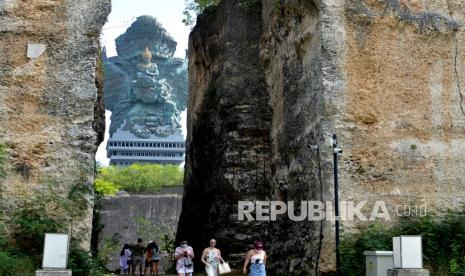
point(49, 103)
point(387, 76)
point(228, 123)
point(403, 120)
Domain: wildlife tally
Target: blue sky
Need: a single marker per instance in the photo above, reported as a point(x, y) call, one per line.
point(123, 13)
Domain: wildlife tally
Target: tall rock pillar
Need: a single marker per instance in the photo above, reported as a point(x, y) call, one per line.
point(228, 154)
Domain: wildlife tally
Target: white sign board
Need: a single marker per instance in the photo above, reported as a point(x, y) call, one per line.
point(35, 50)
point(408, 252)
point(55, 251)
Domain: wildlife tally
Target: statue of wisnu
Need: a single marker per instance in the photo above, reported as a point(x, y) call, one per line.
point(146, 67)
point(147, 87)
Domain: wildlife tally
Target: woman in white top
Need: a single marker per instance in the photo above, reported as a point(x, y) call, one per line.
point(257, 259)
point(211, 257)
point(125, 255)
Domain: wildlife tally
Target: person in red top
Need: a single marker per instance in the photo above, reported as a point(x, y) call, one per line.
point(148, 259)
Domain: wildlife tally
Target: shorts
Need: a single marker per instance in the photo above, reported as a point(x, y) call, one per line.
point(138, 260)
point(155, 261)
point(148, 263)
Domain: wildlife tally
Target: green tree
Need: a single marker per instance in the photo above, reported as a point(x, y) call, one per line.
point(194, 8)
point(138, 178)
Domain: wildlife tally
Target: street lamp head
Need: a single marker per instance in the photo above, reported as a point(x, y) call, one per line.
point(314, 147)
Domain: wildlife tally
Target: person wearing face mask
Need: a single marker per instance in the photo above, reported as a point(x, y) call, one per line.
point(184, 255)
point(257, 259)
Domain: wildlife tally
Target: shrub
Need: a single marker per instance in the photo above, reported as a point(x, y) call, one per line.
point(31, 223)
point(373, 237)
point(22, 235)
point(82, 263)
point(443, 242)
point(105, 187)
point(194, 8)
point(138, 178)
point(14, 265)
point(21, 243)
point(21, 252)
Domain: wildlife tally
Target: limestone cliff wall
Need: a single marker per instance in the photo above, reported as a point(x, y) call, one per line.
point(386, 76)
point(300, 54)
point(228, 143)
point(50, 107)
point(402, 120)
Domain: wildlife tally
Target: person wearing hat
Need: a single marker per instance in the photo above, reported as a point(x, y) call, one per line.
point(184, 255)
point(257, 259)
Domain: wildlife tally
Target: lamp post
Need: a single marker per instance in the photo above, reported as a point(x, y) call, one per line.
point(336, 152)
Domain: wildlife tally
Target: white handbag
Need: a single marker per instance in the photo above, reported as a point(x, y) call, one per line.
point(224, 268)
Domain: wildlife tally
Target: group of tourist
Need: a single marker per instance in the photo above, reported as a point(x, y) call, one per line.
point(132, 257)
point(140, 256)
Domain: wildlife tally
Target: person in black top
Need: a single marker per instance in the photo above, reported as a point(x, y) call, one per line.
point(138, 251)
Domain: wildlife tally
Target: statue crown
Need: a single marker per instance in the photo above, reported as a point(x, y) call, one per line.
point(147, 54)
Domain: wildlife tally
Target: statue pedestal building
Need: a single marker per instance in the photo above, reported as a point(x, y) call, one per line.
point(408, 272)
point(54, 272)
